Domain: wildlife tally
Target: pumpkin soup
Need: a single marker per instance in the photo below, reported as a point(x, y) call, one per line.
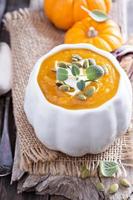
point(78, 79)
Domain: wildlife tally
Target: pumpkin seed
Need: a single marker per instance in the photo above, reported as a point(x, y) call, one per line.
point(77, 64)
point(105, 70)
point(76, 57)
point(72, 89)
point(90, 91)
point(62, 64)
point(86, 64)
point(92, 61)
point(84, 172)
point(81, 97)
point(89, 62)
point(124, 182)
point(113, 188)
point(64, 88)
point(100, 187)
point(53, 70)
point(58, 84)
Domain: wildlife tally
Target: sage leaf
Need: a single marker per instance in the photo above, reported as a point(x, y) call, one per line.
point(62, 74)
point(81, 85)
point(90, 91)
point(97, 15)
point(75, 70)
point(94, 72)
point(108, 168)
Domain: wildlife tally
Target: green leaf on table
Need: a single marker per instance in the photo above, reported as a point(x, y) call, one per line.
point(108, 168)
point(94, 72)
point(62, 74)
point(81, 85)
point(75, 70)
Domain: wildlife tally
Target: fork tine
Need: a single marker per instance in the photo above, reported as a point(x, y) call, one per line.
point(11, 126)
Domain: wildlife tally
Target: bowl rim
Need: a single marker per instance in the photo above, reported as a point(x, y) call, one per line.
point(62, 47)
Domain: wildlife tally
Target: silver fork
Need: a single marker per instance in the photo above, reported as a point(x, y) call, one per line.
point(2, 8)
point(6, 159)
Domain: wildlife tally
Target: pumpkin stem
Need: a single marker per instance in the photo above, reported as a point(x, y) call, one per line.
point(92, 32)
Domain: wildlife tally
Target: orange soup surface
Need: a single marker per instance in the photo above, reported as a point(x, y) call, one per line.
point(106, 86)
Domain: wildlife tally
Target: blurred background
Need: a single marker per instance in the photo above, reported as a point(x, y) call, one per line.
point(129, 10)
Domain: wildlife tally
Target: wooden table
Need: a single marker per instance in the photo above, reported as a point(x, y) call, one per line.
point(9, 192)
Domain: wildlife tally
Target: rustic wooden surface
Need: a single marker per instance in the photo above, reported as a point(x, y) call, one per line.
point(9, 192)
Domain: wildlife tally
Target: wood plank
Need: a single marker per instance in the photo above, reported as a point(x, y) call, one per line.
point(119, 14)
point(58, 198)
point(85, 189)
point(9, 192)
point(16, 4)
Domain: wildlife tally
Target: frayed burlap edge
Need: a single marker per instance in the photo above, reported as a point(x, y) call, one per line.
point(37, 159)
point(73, 167)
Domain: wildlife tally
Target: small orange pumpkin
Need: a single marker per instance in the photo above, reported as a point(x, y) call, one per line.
point(64, 13)
point(104, 35)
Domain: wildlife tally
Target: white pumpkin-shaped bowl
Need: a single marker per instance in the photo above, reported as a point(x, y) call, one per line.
point(78, 132)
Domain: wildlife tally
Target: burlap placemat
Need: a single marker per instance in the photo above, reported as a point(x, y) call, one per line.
point(31, 37)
